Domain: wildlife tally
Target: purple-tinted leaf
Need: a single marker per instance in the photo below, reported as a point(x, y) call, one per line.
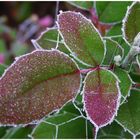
point(35, 85)
point(81, 37)
point(101, 97)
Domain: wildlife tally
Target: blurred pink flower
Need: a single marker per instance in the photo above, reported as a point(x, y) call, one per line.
point(1, 58)
point(46, 21)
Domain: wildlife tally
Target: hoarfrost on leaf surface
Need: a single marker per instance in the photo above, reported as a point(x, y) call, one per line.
point(81, 38)
point(101, 97)
point(35, 85)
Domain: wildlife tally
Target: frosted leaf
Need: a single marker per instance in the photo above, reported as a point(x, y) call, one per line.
point(18, 132)
point(111, 11)
point(35, 85)
point(113, 131)
point(81, 37)
point(85, 5)
point(112, 49)
point(101, 97)
point(131, 22)
point(129, 113)
point(66, 125)
point(125, 82)
point(48, 39)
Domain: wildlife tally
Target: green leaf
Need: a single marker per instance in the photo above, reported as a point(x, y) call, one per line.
point(2, 68)
point(44, 131)
point(18, 132)
point(35, 85)
point(115, 30)
point(85, 5)
point(135, 76)
point(76, 129)
point(69, 107)
point(101, 97)
point(2, 46)
point(113, 131)
point(47, 128)
point(81, 37)
point(63, 126)
point(112, 11)
point(48, 40)
point(125, 82)
point(2, 131)
point(123, 44)
point(129, 113)
point(131, 23)
point(24, 10)
point(19, 48)
point(112, 49)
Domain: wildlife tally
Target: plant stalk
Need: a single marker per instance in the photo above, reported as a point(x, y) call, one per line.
point(135, 49)
point(130, 56)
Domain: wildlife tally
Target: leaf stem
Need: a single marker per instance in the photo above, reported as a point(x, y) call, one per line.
point(130, 56)
point(135, 49)
point(85, 71)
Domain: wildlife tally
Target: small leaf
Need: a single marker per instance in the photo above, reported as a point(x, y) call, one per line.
point(48, 40)
point(63, 126)
point(18, 132)
point(123, 44)
point(101, 97)
point(113, 49)
point(2, 131)
point(129, 113)
point(35, 85)
point(81, 37)
point(135, 77)
point(85, 5)
point(131, 22)
point(112, 11)
point(47, 128)
point(78, 128)
point(113, 131)
point(125, 82)
point(69, 107)
point(44, 131)
point(115, 30)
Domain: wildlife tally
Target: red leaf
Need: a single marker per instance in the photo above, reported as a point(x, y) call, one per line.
point(101, 97)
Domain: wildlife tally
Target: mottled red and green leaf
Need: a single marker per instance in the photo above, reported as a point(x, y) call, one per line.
point(35, 85)
point(101, 97)
point(81, 37)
